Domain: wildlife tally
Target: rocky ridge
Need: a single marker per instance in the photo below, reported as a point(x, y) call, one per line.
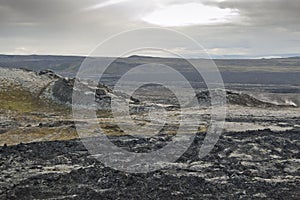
point(50, 86)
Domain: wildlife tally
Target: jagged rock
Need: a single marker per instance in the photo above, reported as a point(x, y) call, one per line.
point(65, 170)
point(134, 100)
point(62, 90)
point(56, 124)
point(12, 79)
point(60, 123)
point(50, 86)
point(246, 100)
point(46, 84)
point(236, 98)
point(50, 74)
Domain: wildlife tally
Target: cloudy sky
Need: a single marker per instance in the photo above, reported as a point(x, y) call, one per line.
point(250, 28)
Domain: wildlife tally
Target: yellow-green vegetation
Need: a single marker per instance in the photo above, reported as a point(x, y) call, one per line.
point(104, 114)
point(29, 109)
point(23, 101)
point(111, 129)
point(35, 134)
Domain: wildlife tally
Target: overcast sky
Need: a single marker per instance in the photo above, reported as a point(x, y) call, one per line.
point(228, 27)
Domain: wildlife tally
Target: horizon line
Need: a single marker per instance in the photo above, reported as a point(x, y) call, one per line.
point(214, 57)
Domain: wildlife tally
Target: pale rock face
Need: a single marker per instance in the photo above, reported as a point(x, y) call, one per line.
point(48, 85)
point(28, 80)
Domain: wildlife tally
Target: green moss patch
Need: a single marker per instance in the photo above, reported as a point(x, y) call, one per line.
point(23, 101)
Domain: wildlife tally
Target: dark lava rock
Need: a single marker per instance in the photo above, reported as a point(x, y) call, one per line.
point(56, 124)
point(246, 100)
point(62, 90)
point(246, 165)
point(50, 74)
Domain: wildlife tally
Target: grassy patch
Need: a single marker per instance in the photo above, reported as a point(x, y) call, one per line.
point(35, 134)
point(23, 101)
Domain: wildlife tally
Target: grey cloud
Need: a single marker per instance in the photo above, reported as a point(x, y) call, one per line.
point(268, 12)
point(65, 27)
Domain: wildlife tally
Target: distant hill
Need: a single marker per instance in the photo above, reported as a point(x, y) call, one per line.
point(42, 62)
point(70, 64)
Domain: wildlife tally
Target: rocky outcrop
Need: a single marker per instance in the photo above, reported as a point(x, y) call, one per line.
point(49, 86)
point(61, 90)
point(11, 79)
point(241, 99)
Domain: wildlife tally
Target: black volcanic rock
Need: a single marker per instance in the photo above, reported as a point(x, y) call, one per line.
point(248, 165)
point(62, 90)
point(49, 73)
